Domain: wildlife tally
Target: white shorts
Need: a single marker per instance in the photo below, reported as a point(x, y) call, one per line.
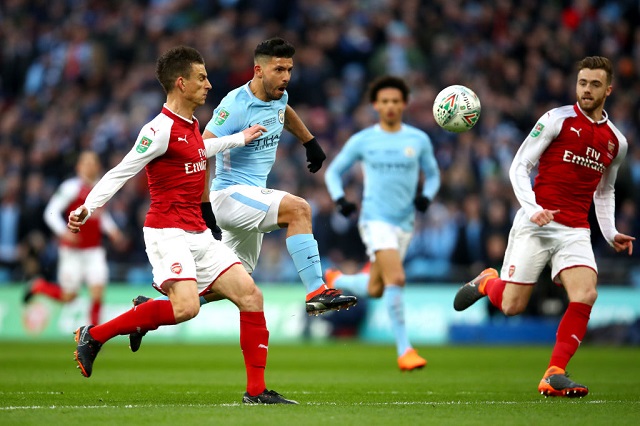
point(245, 213)
point(177, 255)
point(377, 235)
point(531, 247)
point(77, 266)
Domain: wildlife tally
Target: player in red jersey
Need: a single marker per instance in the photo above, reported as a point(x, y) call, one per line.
point(578, 152)
point(187, 261)
point(81, 257)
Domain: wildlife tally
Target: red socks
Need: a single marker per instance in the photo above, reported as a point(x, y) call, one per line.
point(94, 312)
point(254, 342)
point(47, 288)
point(494, 289)
point(147, 316)
point(571, 331)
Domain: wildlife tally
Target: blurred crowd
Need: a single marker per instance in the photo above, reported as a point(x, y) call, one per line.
point(79, 75)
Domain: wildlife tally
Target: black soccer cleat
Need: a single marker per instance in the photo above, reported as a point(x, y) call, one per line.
point(267, 397)
point(86, 351)
point(329, 299)
point(556, 382)
point(135, 338)
point(471, 292)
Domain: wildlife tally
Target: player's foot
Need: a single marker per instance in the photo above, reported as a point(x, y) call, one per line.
point(267, 397)
point(556, 382)
point(473, 291)
point(328, 299)
point(87, 350)
point(135, 338)
point(33, 287)
point(330, 277)
point(410, 360)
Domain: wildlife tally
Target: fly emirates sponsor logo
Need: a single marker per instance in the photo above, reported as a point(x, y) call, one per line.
point(199, 166)
point(591, 159)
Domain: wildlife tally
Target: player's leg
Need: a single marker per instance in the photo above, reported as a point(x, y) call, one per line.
point(70, 267)
point(95, 272)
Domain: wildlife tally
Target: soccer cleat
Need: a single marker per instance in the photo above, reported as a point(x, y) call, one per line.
point(556, 382)
point(330, 277)
point(267, 397)
point(135, 338)
point(410, 360)
point(473, 291)
point(87, 350)
point(328, 299)
point(32, 289)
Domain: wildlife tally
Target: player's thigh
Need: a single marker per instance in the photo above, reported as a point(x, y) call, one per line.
point(528, 252)
point(580, 283)
point(390, 266)
point(95, 270)
point(248, 208)
point(70, 269)
point(236, 285)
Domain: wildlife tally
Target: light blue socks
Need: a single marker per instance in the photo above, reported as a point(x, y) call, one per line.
point(303, 249)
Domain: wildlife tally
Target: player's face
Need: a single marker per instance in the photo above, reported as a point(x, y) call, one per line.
point(276, 73)
point(196, 85)
point(88, 166)
point(390, 105)
point(592, 89)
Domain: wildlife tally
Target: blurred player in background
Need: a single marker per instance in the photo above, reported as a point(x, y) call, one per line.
point(392, 154)
point(578, 152)
point(81, 257)
point(187, 261)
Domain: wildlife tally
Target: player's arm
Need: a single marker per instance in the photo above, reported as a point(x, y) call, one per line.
point(205, 205)
point(57, 205)
point(431, 185)
point(214, 144)
point(525, 160)
point(147, 147)
point(604, 201)
point(333, 177)
point(109, 227)
point(294, 125)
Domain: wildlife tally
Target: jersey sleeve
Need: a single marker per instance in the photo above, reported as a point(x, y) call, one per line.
point(429, 166)
point(527, 157)
point(58, 204)
point(340, 164)
point(147, 148)
point(219, 144)
point(227, 119)
point(604, 198)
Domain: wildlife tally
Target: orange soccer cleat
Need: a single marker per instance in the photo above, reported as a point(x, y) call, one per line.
point(473, 291)
point(556, 382)
point(410, 360)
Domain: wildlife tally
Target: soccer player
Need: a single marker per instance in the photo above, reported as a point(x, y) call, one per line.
point(186, 259)
point(578, 152)
point(81, 257)
point(244, 207)
point(392, 154)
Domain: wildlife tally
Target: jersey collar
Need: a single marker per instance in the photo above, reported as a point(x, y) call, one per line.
point(605, 116)
point(167, 111)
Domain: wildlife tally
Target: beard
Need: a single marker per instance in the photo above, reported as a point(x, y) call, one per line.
point(592, 105)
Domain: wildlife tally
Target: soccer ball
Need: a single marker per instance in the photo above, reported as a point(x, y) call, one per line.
point(456, 108)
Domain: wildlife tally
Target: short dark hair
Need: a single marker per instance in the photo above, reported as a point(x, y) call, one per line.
point(174, 63)
point(274, 48)
point(388, 81)
point(597, 63)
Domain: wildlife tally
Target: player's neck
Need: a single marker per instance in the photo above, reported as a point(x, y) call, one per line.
point(257, 90)
point(181, 107)
point(391, 127)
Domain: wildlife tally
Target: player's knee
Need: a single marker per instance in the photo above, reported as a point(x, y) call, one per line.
point(375, 293)
point(251, 299)
point(513, 307)
point(300, 208)
point(587, 296)
point(185, 312)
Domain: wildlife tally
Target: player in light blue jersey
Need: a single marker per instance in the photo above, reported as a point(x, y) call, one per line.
point(392, 155)
point(244, 207)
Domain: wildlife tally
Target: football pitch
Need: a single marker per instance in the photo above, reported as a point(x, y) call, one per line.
point(342, 383)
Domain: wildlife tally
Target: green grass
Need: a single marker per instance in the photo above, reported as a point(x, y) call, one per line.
point(343, 383)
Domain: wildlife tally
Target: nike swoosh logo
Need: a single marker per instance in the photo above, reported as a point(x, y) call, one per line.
point(312, 256)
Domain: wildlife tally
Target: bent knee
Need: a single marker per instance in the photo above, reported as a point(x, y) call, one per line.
point(299, 207)
point(587, 296)
point(251, 299)
point(511, 308)
point(186, 312)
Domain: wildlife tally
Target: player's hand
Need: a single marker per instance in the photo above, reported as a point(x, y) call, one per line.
point(253, 132)
point(77, 218)
point(544, 217)
point(345, 207)
point(315, 155)
point(422, 203)
point(622, 242)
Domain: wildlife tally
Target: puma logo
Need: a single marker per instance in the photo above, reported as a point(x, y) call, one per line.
point(574, 336)
point(263, 346)
point(573, 129)
point(184, 139)
point(153, 130)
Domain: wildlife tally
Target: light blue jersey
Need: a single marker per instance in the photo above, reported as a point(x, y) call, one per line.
point(391, 164)
point(251, 164)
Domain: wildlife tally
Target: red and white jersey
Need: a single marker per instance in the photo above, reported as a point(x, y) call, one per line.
point(171, 149)
point(578, 160)
point(69, 195)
